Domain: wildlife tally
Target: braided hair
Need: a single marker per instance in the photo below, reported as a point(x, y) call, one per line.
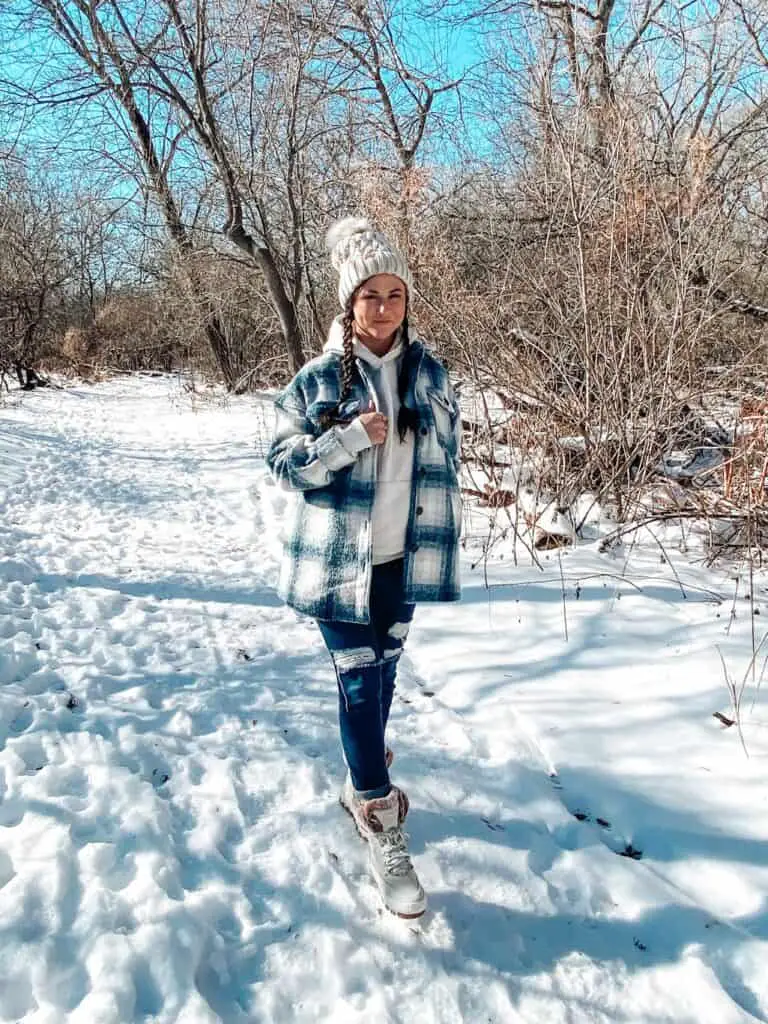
point(348, 356)
point(407, 419)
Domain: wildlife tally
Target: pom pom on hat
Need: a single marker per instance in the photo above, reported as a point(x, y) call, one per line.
point(340, 235)
point(359, 251)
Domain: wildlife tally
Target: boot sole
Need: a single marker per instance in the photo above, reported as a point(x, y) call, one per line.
point(395, 913)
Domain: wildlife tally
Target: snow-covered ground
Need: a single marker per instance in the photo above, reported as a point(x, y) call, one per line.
point(594, 842)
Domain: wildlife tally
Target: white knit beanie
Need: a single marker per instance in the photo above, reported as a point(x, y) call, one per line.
point(359, 251)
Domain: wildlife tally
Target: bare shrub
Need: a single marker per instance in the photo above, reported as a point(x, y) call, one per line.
point(745, 472)
point(596, 308)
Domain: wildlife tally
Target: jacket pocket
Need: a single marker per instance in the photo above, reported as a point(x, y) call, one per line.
point(442, 414)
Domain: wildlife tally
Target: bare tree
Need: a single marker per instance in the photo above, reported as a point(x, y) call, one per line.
point(173, 54)
point(35, 267)
point(591, 242)
point(608, 253)
point(392, 105)
point(90, 30)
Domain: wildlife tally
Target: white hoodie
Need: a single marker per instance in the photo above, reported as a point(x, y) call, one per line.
point(394, 458)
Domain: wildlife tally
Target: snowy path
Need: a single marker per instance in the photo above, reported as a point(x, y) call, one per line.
point(171, 847)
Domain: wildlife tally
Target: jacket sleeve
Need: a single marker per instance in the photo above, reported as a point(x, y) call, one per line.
point(299, 461)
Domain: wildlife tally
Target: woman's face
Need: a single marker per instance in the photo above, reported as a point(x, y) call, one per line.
point(379, 309)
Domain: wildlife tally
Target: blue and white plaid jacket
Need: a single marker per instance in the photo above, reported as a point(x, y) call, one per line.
point(326, 569)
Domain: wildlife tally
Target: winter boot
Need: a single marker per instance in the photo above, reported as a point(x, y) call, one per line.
point(379, 821)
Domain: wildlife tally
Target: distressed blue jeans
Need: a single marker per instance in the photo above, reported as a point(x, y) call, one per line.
point(365, 657)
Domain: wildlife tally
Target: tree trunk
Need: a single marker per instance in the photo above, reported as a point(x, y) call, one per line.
point(214, 331)
point(285, 309)
point(220, 349)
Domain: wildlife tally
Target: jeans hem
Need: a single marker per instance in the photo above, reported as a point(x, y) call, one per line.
point(374, 794)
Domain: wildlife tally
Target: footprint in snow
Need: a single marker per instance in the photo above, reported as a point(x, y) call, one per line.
point(159, 777)
point(23, 720)
point(31, 751)
point(615, 843)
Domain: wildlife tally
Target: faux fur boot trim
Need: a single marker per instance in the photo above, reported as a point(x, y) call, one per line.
point(386, 812)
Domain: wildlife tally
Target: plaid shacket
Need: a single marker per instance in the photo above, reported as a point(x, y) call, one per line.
point(326, 568)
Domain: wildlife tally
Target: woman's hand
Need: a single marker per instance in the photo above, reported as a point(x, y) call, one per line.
point(376, 424)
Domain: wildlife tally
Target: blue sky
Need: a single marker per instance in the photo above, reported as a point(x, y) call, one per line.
point(22, 64)
point(60, 141)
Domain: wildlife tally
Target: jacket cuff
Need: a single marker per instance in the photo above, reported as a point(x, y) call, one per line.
point(331, 452)
point(354, 437)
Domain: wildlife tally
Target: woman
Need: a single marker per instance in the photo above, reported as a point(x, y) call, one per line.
point(368, 437)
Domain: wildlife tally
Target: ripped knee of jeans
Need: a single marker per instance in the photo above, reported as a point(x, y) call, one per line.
point(396, 638)
point(358, 685)
point(351, 658)
point(399, 631)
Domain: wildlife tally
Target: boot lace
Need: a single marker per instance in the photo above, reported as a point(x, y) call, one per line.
point(394, 850)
